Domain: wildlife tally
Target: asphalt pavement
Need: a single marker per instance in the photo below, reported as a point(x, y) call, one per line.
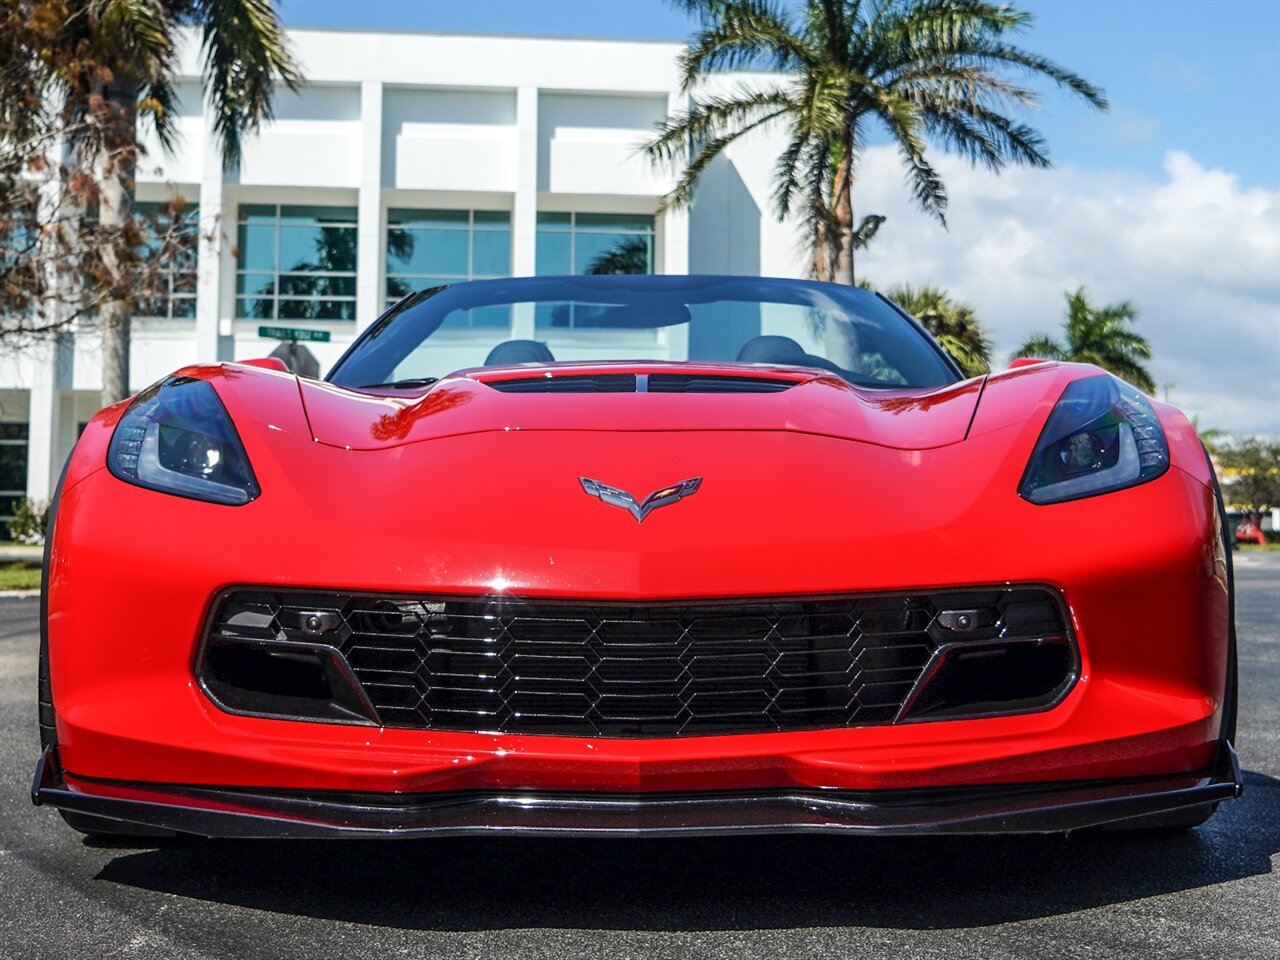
point(1212, 893)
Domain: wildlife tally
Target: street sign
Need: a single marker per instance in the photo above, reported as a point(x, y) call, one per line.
point(293, 334)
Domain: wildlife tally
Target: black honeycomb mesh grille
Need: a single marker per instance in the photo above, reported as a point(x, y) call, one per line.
point(645, 670)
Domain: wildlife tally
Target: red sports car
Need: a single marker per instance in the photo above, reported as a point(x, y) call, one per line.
point(633, 556)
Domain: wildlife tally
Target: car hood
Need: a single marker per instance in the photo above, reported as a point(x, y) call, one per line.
point(801, 402)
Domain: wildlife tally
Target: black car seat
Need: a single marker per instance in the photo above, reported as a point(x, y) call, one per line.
point(782, 350)
point(518, 351)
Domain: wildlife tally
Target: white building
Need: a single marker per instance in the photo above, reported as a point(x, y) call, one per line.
point(405, 160)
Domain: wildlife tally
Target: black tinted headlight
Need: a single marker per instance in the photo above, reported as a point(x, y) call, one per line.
point(1102, 436)
point(176, 437)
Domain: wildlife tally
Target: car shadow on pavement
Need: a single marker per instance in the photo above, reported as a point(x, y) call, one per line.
point(714, 883)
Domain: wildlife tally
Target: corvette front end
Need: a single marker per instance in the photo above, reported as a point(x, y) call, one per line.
point(426, 620)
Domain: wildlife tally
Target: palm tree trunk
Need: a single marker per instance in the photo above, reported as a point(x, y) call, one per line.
point(115, 214)
point(842, 191)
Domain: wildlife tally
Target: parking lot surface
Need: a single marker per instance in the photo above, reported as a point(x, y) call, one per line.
point(1214, 892)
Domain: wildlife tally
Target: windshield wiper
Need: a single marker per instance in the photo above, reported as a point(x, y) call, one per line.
point(407, 384)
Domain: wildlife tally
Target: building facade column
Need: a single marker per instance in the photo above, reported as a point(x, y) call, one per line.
point(214, 266)
point(675, 223)
point(371, 249)
point(52, 359)
point(47, 448)
point(524, 212)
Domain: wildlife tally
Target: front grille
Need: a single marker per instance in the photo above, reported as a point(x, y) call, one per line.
point(636, 670)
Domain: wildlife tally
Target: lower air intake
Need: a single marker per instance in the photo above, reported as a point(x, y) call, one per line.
point(567, 668)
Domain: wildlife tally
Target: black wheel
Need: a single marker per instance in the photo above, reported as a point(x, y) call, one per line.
point(1176, 821)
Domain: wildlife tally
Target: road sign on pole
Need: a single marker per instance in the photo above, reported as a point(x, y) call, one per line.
point(293, 334)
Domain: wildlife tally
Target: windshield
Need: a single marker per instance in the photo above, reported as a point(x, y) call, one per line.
point(547, 320)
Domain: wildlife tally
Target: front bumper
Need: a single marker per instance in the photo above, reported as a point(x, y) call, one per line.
point(1001, 808)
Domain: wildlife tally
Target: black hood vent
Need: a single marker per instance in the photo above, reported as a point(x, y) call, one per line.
point(714, 383)
point(642, 383)
point(600, 383)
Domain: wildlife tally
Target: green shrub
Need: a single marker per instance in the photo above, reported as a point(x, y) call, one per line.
point(30, 517)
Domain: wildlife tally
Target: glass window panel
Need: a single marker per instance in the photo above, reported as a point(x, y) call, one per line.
point(263, 284)
point(400, 247)
point(14, 431)
point(438, 252)
point(327, 309)
point(629, 222)
point(491, 253)
point(487, 219)
point(612, 253)
point(552, 255)
point(7, 507)
point(312, 214)
point(398, 287)
point(250, 308)
point(256, 246)
point(257, 213)
point(338, 286)
point(546, 219)
point(13, 467)
point(429, 218)
point(301, 248)
point(184, 308)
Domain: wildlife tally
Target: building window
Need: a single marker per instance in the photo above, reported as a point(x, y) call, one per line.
point(429, 248)
point(296, 263)
point(589, 243)
point(13, 471)
point(171, 235)
point(597, 243)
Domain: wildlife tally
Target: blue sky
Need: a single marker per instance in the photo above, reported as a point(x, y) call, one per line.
point(1200, 76)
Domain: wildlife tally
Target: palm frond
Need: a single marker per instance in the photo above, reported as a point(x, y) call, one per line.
point(245, 53)
point(743, 34)
point(1043, 347)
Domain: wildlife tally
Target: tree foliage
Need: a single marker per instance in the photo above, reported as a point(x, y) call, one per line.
point(1252, 469)
point(1099, 335)
point(78, 79)
point(952, 323)
point(942, 71)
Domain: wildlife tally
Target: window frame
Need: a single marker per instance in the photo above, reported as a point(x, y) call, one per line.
point(277, 273)
point(190, 217)
point(572, 228)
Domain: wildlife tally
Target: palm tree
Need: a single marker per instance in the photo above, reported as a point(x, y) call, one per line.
point(1099, 335)
point(924, 69)
point(123, 67)
point(951, 322)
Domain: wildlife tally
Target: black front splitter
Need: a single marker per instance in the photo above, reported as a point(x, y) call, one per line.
point(257, 813)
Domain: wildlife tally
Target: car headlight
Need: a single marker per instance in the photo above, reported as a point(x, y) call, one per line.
point(1102, 436)
point(176, 437)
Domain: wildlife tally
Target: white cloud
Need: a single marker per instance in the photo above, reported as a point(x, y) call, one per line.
point(1198, 253)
